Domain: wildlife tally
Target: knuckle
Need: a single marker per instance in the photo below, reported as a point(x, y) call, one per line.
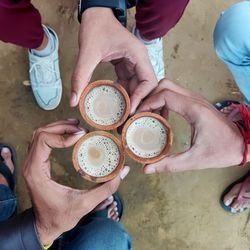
point(41, 135)
point(37, 132)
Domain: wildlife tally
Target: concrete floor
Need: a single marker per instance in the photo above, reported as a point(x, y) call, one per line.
point(173, 211)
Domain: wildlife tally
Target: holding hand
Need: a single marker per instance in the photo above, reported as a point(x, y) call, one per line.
point(216, 142)
point(59, 208)
point(103, 39)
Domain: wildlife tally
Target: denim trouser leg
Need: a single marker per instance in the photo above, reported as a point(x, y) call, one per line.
point(232, 44)
point(96, 233)
point(7, 202)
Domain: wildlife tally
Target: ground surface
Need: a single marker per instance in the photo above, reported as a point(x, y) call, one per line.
point(167, 212)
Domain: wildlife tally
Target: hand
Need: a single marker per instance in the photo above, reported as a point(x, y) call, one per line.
point(59, 208)
point(216, 142)
point(103, 39)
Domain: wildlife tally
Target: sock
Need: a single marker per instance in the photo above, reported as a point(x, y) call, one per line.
point(49, 47)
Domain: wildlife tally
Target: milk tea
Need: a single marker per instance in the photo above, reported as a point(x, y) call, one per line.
point(98, 156)
point(146, 137)
point(105, 105)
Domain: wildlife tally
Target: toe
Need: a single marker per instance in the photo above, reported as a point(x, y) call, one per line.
point(115, 216)
point(104, 204)
point(112, 210)
point(237, 205)
point(232, 194)
point(6, 155)
point(228, 199)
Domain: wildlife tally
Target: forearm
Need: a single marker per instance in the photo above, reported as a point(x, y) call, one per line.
point(20, 233)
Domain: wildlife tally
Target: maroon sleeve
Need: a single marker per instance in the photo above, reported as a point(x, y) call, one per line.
point(20, 23)
point(154, 18)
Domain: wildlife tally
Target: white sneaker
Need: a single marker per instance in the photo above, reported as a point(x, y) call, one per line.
point(155, 52)
point(45, 76)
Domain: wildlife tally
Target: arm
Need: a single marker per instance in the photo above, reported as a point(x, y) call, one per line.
point(51, 201)
point(216, 142)
point(103, 39)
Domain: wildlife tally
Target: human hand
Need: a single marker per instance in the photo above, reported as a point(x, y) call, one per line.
point(59, 208)
point(103, 39)
point(216, 142)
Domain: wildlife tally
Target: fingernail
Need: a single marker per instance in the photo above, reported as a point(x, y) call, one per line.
point(124, 172)
point(73, 120)
point(73, 98)
point(227, 203)
point(84, 129)
point(82, 132)
point(5, 150)
point(149, 170)
point(116, 208)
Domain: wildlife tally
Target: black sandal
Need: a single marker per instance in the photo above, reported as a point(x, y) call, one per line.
point(5, 171)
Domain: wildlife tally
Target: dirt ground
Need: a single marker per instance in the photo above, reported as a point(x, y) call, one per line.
point(163, 212)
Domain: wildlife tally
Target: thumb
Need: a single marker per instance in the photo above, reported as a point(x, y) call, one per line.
point(173, 163)
point(91, 198)
point(82, 74)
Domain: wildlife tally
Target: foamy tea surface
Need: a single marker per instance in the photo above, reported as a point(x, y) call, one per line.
point(105, 105)
point(146, 137)
point(98, 156)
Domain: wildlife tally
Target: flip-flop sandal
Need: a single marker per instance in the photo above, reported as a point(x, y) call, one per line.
point(5, 171)
point(223, 104)
point(245, 181)
point(104, 212)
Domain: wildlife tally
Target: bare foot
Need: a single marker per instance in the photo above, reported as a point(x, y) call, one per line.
point(230, 198)
point(112, 208)
point(6, 155)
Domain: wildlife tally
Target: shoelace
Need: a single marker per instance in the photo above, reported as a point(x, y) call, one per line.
point(41, 69)
point(245, 116)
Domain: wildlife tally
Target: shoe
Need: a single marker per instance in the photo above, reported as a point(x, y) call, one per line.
point(155, 52)
point(45, 77)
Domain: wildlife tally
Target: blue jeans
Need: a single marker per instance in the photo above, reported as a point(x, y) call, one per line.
point(96, 233)
point(8, 202)
point(232, 44)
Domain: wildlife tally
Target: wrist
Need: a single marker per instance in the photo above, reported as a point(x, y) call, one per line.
point(94, 12)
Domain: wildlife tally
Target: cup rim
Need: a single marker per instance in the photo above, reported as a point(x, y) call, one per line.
point(91, 178)
point(166, 149)
point(107, 83)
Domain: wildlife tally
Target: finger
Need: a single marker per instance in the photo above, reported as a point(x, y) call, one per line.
point(60, 141)
point(74, 121)
point(62, 129)
point(86, 63)
point(132, 84)
point(185, 106)
point(153, 102)
point(145, 75)
point(93, 197)
point(173, 163)
point(167, 84)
